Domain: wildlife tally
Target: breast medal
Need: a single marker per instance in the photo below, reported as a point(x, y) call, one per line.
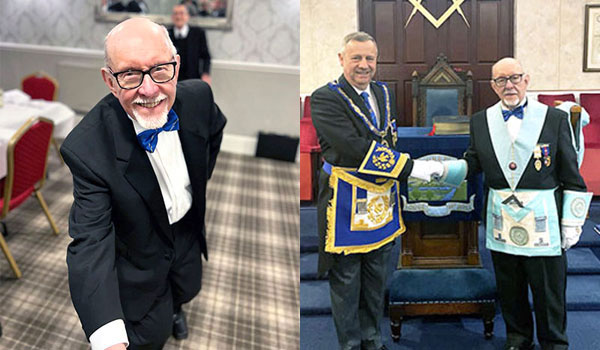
point(537, 154)
point(545, 148)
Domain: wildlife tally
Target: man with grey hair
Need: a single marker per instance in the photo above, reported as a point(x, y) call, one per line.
point(358, 205)
point(140, 161)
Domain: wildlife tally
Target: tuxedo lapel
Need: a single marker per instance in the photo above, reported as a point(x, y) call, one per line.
point(194, 151)
point(137, 169)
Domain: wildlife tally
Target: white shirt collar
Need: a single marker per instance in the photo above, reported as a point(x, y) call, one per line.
point(183, 32)
point(504, 108)
point(359, 91)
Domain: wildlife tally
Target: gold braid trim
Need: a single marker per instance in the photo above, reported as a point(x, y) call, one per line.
point(341, 173)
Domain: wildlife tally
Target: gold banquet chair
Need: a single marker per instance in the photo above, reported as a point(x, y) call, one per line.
point(27, 158)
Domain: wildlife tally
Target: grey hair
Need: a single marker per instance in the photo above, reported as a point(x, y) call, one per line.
point(357, 36)
point(165, 32)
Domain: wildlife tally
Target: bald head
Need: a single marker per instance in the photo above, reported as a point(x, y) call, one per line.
point(135, 32)
point(509, 81)
point(506, 62)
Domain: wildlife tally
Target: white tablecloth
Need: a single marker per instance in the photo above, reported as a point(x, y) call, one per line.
point(14, 115)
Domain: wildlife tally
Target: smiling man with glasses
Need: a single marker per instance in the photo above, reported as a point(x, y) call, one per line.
point(140, 161)
point(537, 203)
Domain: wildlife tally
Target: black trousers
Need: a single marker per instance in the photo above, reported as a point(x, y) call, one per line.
point(184, 283)
point(547, 277)
point(357, 287)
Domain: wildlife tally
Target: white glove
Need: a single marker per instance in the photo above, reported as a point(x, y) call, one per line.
point(425, 169)
point(569, 236)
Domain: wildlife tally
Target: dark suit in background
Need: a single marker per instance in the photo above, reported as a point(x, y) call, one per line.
point(125, 260)
point(193, 50)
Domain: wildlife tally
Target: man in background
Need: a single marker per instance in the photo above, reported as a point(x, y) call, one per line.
point(140, 161)
point(191, 45)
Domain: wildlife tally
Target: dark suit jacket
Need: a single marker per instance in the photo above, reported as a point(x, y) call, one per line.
point(197, 57)
point(344, 140)
point(563, 171)
point(122, 248)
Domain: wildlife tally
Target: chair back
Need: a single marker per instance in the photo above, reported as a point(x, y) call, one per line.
point(306, 110)
point(550, 99)
point(27, 156)
point(40, 86)
point(591, 133)
point(441, 92)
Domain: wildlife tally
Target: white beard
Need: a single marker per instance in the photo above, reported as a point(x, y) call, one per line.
point(156, 121)
point(153, 123)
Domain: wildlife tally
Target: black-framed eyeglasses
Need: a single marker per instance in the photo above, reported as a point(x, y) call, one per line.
point(133, 78)
point(515, 79)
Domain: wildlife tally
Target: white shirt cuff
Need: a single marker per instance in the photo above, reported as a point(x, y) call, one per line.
point(108, 335)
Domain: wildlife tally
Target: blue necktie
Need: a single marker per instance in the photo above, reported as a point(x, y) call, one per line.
point(365, 96)
point(517, 112)
point(149, 138)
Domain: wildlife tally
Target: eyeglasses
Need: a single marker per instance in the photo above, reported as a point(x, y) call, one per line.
point(133, 78)
point(515, 79)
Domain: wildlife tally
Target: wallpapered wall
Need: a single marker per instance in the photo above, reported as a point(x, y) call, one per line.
point(264, 31)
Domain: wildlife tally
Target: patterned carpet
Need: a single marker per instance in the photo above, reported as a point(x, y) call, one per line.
point(250, 295)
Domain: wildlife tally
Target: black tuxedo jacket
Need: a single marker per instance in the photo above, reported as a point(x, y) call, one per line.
point(344, 140)
point(122, 247)
point(197, 57)
point(563, 171)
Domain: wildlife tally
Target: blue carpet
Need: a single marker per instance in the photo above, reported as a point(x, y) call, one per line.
point(448, 333)
point(583, 292)
point(589, 238)
point(308, 266)
point(309, 244)
point(582, 261)
point(314, 298)
point(308, 221)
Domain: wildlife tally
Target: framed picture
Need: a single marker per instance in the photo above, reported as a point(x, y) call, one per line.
point(591, 47)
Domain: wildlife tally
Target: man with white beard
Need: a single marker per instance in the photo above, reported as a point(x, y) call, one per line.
point(140, 161)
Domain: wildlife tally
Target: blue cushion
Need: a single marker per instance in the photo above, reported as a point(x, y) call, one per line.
point(442, 285)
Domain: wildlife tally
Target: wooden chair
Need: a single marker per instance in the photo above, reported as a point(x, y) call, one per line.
point(441, 92)
point(27, 158)
point(40, 85)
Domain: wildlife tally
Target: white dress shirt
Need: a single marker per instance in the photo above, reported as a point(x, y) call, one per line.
point(181, 33)
point(372, 101)
point(171, 172)
point(513, 124)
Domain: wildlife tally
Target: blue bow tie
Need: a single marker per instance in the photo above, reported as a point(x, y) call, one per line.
point(517, 112)
point(149, 138)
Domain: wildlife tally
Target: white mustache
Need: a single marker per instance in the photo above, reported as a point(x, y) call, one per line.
point(159, 98)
